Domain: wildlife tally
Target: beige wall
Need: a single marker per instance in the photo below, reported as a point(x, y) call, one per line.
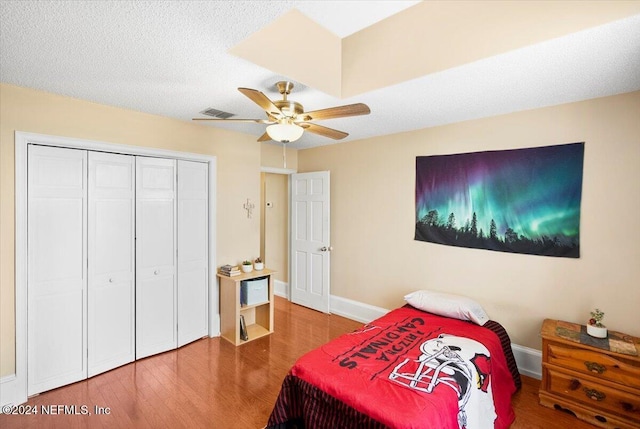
point(375, 259)
point(272, 155)
point(238, 163)
point(276, 224)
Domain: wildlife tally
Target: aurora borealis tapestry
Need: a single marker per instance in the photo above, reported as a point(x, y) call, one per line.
point(519, 201)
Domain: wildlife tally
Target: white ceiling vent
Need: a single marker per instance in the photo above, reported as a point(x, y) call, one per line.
point(217, 113)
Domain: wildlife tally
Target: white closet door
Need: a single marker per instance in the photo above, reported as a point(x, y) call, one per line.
point(57, 278)
point(192, 251)
point(156, 324)
point(111, 265)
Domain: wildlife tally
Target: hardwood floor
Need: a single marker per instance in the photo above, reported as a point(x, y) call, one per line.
point(211, 383)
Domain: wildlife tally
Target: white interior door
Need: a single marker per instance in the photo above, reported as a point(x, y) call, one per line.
point(111, 264)
point(57, 277)
point(193, 238)
point(310, 237)
point(156, 323)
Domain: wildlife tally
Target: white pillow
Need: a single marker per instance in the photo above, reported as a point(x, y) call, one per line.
point(448, 305)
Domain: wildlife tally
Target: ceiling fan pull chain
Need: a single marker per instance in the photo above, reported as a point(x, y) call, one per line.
point(284, 155)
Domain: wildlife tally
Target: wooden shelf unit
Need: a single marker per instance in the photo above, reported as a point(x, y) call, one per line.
point(258, 317)
point(599, 386)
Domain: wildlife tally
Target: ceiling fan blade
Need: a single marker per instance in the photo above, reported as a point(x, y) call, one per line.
point(253, 121)
point(324, 131)
point(261, 100)
point(336, 112)
point(264, 138)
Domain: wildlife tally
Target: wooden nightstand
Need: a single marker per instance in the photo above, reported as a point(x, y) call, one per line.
point(597, 380)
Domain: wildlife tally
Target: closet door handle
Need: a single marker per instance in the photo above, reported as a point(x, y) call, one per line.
point(111, 280)
point(156, 272)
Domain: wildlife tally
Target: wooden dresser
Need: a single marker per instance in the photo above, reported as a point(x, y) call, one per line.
point(595, 382)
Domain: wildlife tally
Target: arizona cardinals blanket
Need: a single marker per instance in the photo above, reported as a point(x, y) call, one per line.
point(407, 369)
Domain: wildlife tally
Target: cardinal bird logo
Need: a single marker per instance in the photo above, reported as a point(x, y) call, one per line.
point(483, 368)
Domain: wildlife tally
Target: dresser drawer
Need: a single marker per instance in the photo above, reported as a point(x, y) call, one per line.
point(595, 364)
point(594, 395)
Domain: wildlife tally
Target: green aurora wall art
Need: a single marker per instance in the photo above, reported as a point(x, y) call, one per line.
point(519, 201)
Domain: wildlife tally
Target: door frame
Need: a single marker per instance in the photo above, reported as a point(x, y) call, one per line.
point(17, 388)
point(284, 289)
point(281, 288)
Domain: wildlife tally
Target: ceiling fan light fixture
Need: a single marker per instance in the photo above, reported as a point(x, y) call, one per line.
point(285, 132)
point(288, 118)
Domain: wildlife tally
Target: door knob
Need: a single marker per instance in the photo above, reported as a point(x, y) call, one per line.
point(326, 249)
point(110, 280)
point(156, 272)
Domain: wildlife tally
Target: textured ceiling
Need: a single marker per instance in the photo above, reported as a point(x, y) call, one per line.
point(172, 58)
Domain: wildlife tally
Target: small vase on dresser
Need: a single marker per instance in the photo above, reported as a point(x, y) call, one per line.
point(597, 331)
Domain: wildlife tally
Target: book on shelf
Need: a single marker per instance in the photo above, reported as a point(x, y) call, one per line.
point(230, 270)
point(243, 329)
point(228, 267)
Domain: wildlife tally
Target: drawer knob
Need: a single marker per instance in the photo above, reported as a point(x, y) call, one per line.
point(574, 384)
point(595, 367)
point(594, 394)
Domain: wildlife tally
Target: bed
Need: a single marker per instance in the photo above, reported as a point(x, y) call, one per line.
point(410, 368)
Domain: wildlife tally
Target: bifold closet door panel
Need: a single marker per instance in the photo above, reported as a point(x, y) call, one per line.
point(57, 276)
point(111, 264)
point(156, 323)
point(193, 239)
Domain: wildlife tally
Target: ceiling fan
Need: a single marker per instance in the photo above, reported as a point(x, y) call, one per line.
point(287, 120)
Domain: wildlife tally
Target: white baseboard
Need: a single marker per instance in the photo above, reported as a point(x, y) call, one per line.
point(355, 310)
point(529, 360)
point(10, 392)
point(281, 288)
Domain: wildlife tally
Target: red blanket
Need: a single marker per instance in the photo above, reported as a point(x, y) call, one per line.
point(408, 369)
